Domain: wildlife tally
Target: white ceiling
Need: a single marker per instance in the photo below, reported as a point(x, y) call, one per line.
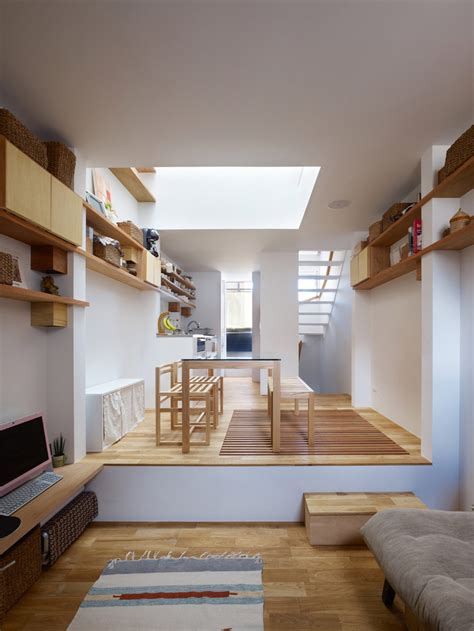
point(360, 88)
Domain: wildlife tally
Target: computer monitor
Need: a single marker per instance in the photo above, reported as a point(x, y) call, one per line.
point(24, 451)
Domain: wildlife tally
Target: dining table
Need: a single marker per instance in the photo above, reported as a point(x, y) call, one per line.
point(222, 362)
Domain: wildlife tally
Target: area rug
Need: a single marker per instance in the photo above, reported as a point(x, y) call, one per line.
point(336, 433)
point(209, 593)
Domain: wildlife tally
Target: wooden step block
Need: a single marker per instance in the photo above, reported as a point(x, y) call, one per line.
point(52, 314)
point(48, 259)
point(335, 519)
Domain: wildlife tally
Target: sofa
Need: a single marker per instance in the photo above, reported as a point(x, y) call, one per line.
point(427, 557)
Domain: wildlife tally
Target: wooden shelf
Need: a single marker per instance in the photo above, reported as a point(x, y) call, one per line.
point(30, 295)
point(27, 232)
point(133, 183)
point(455, 185)
point(185, 281)
point(458, 240)
point(173, 287)
point(107, 228)
point(100, 266)
point(390, 273)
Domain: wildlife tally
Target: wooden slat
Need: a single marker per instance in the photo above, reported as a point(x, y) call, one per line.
point(340, 432)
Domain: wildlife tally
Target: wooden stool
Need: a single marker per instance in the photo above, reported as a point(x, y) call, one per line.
point(334, 519)
point(210, 378)
point(174, 394)
point(296, 389)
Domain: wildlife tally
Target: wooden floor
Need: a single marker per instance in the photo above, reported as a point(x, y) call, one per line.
point(317, 588)
point(138, 447)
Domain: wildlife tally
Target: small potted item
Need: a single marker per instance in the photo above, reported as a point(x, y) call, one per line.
point(59, 457)
point(48, 286)
point(459, 221)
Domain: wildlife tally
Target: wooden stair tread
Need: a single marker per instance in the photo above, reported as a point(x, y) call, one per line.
point(358, 503)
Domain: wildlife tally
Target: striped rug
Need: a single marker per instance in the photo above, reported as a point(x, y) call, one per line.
point(169, 594)
point(337, 432)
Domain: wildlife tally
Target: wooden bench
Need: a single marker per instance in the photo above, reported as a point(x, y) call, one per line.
point(295, 389)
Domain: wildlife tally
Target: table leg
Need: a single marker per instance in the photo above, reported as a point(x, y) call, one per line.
point(311, 419)
point(185, 411)
point(276, 408)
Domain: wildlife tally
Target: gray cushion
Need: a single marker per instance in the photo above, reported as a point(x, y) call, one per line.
point(428, 558)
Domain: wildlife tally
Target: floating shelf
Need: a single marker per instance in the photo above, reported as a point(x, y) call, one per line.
point(133, 183)
point(95, 264)
point(390, 273)
point(146, 169)
point(107, 228)
point(27, 232)
point(173, 287)
point(183, 280)
point(455, 185)
point(100, 266)
point(30, 295)
point(458, 240)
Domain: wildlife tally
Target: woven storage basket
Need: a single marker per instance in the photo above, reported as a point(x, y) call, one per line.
point(458, 221)
point(61, 162)
point(7, 269)
point(375, 230)
point(393, 214)
point(107, 251)
point(132, 230)
point(22, 137)
point(22, 565)
point(460, 151)
point(69, 524)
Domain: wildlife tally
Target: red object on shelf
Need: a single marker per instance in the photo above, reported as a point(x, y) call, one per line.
point(417, 236)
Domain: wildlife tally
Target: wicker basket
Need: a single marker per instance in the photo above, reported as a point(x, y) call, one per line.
point(7, 269)
point(69, 524)
point(375, 230)
point(20, 567)
point(107, 249)
point(21, 137)
point(393, 214)
point(459, 220)
point(61, 162)
point(132, 230)
point(460, 151)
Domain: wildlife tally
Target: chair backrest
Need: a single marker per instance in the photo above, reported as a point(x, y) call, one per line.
point(162, 371)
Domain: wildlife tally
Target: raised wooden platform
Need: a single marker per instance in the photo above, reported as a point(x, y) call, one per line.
point(139, 448)
point(334, 519)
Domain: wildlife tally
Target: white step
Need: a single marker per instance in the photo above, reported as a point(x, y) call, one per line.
point(321, 277)
point(314, 318)
point(314, 329)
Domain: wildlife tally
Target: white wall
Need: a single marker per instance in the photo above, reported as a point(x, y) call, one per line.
point(395, 328)
point(325, 362)
point(208, 300)
point(279, 310)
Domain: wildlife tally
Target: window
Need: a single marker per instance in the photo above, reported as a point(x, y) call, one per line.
point(238, 307)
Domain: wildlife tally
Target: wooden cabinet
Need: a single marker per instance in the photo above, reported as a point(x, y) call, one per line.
point(31, 192)
point(66, 212)
point(369, 262)
point(152, 269)
point(27, 189)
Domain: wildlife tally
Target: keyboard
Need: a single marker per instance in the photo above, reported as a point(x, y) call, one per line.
point(13, 501)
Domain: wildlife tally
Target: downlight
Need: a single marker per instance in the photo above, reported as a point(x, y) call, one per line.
point(337, 204)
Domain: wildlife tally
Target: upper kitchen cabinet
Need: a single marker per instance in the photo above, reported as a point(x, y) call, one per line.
point(25, 186)
point(32, 193)
point(66, 212)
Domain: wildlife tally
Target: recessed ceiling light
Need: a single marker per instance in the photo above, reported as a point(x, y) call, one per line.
point(339, 203)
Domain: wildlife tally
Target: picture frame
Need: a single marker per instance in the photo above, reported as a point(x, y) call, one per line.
point(96, 203)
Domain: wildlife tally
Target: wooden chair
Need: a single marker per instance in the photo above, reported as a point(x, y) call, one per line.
point(294, 388)
point(174, 394)
point(218, 382)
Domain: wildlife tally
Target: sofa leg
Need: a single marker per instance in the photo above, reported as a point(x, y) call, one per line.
point(388, 594)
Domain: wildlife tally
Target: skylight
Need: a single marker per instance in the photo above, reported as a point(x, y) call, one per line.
point(226, 198)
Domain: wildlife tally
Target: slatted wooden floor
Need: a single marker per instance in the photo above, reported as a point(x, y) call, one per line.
point(139, 448)
point(305, 587)
point(337, 432)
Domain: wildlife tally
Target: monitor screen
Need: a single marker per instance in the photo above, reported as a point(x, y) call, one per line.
point(23, 448)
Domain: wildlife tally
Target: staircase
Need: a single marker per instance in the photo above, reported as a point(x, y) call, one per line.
point(319, 272)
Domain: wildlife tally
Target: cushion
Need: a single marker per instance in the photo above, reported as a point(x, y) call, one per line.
point(428, 558)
